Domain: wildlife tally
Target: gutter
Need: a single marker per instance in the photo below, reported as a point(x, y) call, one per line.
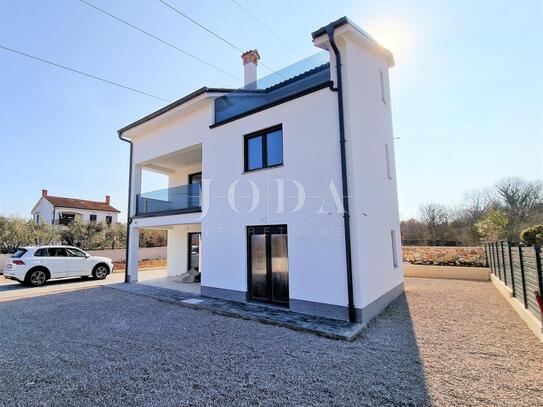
point(128, 219)
point(346, 216)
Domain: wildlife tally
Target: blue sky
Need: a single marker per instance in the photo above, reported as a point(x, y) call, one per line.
point(467, 89)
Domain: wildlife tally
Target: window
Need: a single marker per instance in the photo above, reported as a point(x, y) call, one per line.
point(382, 79)
point(18, 254)
point(57, 252)
point(75, 253)
point(37, 218)
point(41, 253)
point(387, 158)
point(394, 248)
point(109, 219)
point(92, 218)
point(264, 149)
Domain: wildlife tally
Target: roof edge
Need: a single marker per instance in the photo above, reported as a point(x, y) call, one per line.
point(346, 21)
point(173, 105)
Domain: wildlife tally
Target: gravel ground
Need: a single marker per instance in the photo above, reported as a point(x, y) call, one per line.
point(448, 343)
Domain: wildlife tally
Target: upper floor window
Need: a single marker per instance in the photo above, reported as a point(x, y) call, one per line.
point(382, 79)
point(109, 219)
point(264, 149)
point(92, 218)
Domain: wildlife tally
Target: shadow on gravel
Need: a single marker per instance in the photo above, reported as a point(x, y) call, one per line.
point(162, 354)
point(392, 359)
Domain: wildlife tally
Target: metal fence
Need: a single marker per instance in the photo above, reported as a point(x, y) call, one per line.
point(519, 268)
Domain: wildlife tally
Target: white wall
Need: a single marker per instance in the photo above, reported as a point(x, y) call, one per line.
point(45, 209)
point(374, 206)
point(178, 248)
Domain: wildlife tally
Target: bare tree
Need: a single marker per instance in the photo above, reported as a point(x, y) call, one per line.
point(436, 218)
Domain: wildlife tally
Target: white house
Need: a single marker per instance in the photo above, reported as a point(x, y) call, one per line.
point(58, 210)
point(283, 191)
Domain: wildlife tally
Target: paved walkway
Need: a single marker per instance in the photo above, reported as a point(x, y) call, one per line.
point(12, 290)
point(331, 328)
point(446, 343)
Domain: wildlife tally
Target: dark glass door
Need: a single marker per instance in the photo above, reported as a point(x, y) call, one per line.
point(268, 264)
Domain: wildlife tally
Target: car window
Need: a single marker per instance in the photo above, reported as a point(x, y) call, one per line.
point(57, 252)
point(75, 253)
point(18, 253)
point(41, 253)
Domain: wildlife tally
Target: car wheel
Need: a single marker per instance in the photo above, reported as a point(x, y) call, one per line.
point(100, 272)
point(36, 278)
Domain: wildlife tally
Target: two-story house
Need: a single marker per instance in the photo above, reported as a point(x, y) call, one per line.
point(282, 191)
point(58, 210)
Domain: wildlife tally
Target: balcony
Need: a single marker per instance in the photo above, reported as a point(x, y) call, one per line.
point(295, 80)
point(183, 198)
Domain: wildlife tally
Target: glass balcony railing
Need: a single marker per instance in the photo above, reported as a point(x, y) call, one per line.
point(294, 79)
point(183, 198)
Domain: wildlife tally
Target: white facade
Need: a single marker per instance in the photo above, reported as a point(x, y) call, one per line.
point(180, 142)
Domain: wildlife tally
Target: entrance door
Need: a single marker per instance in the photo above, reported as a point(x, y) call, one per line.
point(268, 264)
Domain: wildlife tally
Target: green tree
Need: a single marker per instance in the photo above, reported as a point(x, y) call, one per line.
point(532, 235)
point(115, 236)
point(14, 233)
point(492, 225)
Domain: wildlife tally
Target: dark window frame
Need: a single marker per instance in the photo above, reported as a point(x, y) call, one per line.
point(264, 134)
point(93, 218)
point(109, 219)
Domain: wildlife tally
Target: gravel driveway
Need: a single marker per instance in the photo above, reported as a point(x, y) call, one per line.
point(448, 343)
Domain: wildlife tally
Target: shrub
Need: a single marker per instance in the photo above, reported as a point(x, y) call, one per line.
point(532, 235)
point(492, 225)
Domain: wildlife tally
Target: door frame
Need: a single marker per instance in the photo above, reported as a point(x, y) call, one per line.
point(191, 176)
point(189, 235)
point(268, 262)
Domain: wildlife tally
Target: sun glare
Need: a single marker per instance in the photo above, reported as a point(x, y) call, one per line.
point(395, 37)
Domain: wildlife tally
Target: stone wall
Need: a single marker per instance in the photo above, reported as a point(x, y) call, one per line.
point(445, 256)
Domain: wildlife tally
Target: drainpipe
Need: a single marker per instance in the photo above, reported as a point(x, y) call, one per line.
point(128, 219)
point(346, 215)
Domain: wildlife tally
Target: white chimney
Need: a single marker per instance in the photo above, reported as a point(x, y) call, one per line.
point(250, 62)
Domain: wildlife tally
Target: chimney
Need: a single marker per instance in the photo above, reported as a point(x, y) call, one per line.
point(43, 192)
point(107, 199)
point(250, 61)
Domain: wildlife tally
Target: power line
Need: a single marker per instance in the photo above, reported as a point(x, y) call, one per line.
point(266, 27)
point(81, 73)
point(213, 33)
point(201, 26)
point(160, 39)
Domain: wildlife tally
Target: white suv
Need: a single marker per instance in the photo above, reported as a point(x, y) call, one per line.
point(37, 264)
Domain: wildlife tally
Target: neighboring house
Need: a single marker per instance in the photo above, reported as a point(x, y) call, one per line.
point(57, 210)
point(281, 136)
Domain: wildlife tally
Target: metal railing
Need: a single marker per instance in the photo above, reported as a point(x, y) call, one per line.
point(519, 268)
point(183, 198)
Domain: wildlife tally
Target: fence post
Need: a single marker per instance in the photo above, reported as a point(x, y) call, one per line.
point(503, 263)
point(492, 257)
point(498, 261)
point(486, 255)
point(511, 267)
point(539, 272)
point(521, 261)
